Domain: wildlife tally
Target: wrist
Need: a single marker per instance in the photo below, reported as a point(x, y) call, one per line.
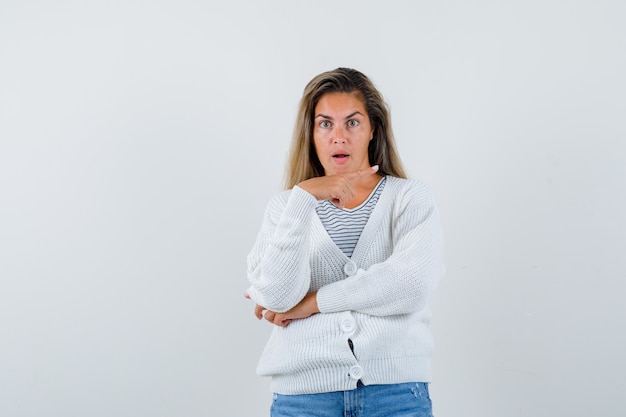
point(313, 302)
point(306, 186)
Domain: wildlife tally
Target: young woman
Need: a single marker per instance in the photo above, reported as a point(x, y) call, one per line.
point(345, 262)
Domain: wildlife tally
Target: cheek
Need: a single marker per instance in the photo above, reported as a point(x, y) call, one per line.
point(318, 146)
point(319, 133)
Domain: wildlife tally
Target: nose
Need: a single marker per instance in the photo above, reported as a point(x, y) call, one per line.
point(339, 136)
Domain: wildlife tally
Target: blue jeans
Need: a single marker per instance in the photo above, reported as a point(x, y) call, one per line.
point(395, 400)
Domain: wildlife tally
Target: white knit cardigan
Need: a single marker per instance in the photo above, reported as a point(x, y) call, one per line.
point(378, 298)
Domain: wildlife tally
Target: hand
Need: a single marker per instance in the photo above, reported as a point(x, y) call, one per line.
point(338, 189)
point(305, 308)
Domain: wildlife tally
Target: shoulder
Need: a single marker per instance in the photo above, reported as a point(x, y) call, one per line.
point(296, 201)
point(278, 202)
point(280, 198)
point(410, 191)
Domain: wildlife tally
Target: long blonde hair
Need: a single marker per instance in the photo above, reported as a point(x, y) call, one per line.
point(303, 162)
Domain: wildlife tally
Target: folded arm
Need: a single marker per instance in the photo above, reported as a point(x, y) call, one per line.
point(278, 264)
point(402, 283)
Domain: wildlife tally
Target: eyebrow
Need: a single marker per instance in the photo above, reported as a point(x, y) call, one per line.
point(347, 117)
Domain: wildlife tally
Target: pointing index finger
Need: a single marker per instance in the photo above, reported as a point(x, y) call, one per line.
point(363, 173)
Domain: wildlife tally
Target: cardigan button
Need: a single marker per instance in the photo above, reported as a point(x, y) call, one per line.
point(347, 325)
point(350, 268)
point(356, 372)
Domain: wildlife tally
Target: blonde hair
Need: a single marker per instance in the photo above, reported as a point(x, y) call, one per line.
point(303, 162)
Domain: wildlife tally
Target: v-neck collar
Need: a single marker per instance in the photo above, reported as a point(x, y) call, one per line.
point(368, 232)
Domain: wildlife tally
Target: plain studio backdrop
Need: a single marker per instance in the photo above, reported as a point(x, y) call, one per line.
point(141, 140)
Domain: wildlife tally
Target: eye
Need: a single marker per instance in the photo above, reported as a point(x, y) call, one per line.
point(325, 124)
point(353, 123)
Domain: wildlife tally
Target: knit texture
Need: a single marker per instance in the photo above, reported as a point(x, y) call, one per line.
point(378, 298)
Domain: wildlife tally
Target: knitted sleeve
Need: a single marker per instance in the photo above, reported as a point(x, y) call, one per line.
point(404, 281)
point(278, 265)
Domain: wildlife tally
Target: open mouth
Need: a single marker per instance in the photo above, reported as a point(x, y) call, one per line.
point(340, 155)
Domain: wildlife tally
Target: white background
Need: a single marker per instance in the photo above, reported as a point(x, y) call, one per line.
point(140, 141)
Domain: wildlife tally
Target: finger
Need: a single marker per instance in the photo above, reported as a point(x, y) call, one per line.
point(258, 311)
point(347, 194)
point(343, 193)
point(337, 202)
point(246, 295)
point(269, 316)
point(361, 173)
point(279, 320)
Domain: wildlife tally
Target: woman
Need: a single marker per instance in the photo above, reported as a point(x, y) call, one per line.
point(345, 262)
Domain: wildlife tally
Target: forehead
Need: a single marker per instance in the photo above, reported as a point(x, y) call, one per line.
point(340, 103)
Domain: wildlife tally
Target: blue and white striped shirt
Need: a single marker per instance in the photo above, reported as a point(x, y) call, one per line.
point(345, 226)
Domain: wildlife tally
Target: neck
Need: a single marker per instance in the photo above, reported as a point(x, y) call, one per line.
point(364, 188)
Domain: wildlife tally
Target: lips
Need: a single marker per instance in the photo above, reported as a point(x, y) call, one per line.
point(341, 158)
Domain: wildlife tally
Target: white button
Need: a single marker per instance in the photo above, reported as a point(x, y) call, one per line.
point(356, 372)
point(350, 268)
point(347, 325)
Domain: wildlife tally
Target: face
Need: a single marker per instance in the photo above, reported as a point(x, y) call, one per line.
point(341, 133)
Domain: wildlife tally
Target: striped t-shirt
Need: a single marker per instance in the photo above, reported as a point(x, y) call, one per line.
point(345, 226)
